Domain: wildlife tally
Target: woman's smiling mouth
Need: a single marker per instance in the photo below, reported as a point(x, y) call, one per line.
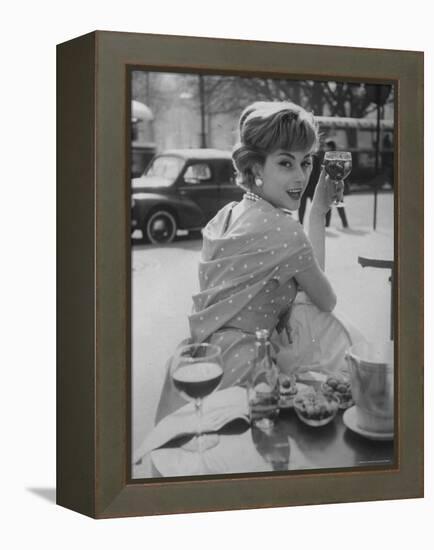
point(295, 194)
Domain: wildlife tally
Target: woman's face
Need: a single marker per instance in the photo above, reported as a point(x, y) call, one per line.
point(285, 175)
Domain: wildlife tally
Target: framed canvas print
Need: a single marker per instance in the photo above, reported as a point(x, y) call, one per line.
point(240, 274)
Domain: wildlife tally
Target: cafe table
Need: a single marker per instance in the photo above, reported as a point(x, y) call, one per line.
point(290, 445)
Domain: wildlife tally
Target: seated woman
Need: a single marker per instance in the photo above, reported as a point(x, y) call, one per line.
point(258, 268)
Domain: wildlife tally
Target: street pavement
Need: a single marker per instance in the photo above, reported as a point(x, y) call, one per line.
point(164, 279)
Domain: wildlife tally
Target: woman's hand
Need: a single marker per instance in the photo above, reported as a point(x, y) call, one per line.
point(326, 192)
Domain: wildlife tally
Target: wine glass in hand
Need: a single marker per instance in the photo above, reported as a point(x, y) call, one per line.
point(196, 372)
point(338, 165)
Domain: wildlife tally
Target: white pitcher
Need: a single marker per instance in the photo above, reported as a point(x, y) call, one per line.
point(371, 369)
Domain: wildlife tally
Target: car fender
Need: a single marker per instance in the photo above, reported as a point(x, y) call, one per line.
point(187, 213)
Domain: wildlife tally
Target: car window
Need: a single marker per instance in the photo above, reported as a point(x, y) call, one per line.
point(166, 167)
point(197, 173)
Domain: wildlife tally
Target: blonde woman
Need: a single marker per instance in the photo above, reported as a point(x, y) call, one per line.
point(256, 258)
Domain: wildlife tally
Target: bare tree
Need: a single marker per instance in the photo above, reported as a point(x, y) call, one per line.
point(228, 94)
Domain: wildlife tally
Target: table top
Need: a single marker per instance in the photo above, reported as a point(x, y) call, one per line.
point(291, 445)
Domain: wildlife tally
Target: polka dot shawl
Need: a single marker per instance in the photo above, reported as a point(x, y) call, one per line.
point(262, 248)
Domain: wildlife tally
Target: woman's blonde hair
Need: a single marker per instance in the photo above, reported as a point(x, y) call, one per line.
point(265, 127)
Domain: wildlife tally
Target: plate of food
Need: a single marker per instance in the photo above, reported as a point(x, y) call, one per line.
point(339, 386)
point(289, 388)
point(316, 408)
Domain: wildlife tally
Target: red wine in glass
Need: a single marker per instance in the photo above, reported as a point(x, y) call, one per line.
point(338, 166)
point(197, 380)
point(196, 372)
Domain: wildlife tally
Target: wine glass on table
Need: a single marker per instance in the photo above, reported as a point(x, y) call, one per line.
point(196, 372)
point(338, 166)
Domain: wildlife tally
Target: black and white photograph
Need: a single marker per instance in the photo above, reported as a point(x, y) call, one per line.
point(129, 121)
point(262, 231)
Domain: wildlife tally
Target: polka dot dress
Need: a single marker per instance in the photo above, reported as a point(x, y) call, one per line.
point(247, 281)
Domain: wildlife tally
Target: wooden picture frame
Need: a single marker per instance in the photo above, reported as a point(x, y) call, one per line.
point(93, 376)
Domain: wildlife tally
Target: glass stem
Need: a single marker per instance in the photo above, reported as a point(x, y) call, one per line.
point(199, 411)
point(339, 201)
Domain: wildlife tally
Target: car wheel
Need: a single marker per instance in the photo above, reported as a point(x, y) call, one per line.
point(160, 227)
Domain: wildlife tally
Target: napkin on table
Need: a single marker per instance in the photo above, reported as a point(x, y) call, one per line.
point(219, 409)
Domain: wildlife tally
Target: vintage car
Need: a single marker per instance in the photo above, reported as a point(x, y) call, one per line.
point(181, 189)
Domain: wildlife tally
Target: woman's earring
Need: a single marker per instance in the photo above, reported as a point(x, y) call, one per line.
point(258, 181)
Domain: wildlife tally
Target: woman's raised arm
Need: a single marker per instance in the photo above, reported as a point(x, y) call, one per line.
point(325, 193)
point(313, 281)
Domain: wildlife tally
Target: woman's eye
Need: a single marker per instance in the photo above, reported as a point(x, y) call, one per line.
point(307, 164)
point(286, 164)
